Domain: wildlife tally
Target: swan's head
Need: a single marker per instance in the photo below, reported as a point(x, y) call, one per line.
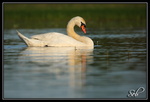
point(80, 22)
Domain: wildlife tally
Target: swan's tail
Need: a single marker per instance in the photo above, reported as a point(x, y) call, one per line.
point(25, 39)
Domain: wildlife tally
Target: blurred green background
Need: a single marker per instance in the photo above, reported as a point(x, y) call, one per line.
point(101, 16)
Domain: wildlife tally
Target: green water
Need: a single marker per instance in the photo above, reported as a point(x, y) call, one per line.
point(116, 65)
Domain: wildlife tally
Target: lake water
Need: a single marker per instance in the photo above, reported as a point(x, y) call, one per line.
point(115, 68)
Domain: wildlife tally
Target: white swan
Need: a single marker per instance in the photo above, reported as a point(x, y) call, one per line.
point(54, 39)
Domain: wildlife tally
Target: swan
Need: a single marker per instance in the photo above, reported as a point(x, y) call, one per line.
point(54, 39)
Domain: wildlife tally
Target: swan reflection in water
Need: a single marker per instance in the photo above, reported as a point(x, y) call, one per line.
point(58, 60)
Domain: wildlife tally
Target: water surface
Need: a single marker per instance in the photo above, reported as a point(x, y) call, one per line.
point(116, 65)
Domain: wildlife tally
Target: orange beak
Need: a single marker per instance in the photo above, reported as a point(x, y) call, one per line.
point(83, 28)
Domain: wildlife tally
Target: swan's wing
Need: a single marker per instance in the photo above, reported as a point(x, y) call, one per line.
point(47, 36)
point(56, 39)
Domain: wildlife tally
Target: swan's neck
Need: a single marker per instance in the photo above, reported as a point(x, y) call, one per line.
point(71, 32)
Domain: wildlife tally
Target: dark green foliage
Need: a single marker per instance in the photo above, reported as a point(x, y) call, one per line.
point(102, 16)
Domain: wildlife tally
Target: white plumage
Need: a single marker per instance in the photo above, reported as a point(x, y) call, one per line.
point(60, 40)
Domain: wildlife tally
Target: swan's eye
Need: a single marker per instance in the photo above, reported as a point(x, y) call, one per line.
point(82, 24)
